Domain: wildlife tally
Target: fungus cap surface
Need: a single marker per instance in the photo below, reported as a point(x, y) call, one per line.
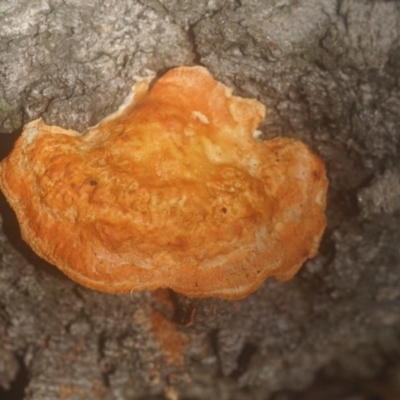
point(171, 191)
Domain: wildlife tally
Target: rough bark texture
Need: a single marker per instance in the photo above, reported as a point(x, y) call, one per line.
point(328, 72)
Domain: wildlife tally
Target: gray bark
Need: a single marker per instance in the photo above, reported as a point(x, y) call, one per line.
point(329, 73)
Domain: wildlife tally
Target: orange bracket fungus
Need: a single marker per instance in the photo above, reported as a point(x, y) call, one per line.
point(171, 191)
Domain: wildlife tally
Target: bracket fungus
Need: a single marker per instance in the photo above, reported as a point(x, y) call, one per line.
point(171, 191)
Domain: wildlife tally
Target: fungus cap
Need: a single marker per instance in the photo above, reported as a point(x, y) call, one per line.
point(171, 191)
